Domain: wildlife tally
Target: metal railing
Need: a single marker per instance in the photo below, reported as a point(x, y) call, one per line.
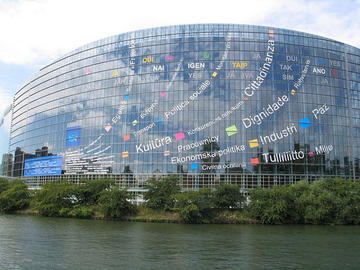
point(186, 181)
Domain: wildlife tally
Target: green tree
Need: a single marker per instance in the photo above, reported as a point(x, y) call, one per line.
point(90, 190)
point(323, 201)
point(4, 184)
point(270, 206)
point(54, 196)
point(350, 211)
point(15, 197)
point(160, 192)
point(190, 214)
point(195, 206)
point(297, 201)
point(116, 203)
point(228, 196)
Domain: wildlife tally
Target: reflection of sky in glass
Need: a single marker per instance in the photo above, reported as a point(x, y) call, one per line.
point(86, 87)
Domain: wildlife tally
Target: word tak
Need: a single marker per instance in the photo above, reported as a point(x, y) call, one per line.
point(286, 67)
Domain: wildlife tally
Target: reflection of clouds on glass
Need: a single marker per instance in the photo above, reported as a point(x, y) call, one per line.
point(132, 79)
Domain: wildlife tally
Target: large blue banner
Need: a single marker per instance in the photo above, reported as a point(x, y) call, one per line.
point(51, 165)
point(73, 136)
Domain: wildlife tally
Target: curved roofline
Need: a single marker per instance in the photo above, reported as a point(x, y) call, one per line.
point(204, 24)
point(93, 44)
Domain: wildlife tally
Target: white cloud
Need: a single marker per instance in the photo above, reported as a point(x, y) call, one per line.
point(323, 18)
point(42, 30)
point(5, 101)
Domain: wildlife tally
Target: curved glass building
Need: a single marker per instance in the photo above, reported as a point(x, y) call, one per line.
point(244, 104)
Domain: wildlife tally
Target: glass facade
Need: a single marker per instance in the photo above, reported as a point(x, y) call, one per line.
point(207, 99)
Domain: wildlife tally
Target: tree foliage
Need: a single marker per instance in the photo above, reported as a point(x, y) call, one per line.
point(14, 196)
point(90, 190)
point(160, 192)
point(322, 202)
point(4, 184)
point(228, 197)
point(55, 196)
point(195, 206)
point(116, 203)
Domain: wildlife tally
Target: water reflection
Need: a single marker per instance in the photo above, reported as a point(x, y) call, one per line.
point(55, 243)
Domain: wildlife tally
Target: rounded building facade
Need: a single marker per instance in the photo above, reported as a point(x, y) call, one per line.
point(210, 102)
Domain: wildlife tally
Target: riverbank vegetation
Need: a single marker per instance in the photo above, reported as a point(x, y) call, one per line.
point(328, 201)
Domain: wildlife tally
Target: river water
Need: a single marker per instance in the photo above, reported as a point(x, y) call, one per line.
point(28, 242)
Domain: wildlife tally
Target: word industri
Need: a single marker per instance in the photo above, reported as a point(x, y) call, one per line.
point(273, 137)
point(264, 70)
point(283, 157)
point(192, 145)
point(267, 111)
point(152, 144)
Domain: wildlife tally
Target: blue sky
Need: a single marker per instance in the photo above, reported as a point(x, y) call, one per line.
point(36, 32)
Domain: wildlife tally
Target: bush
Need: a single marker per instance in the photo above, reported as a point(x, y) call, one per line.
point(202, 199)
point(116, 203)
point(297, 204)
point(228, 196)
point(81, 212)
point(270, 206)
point(54, 196)
point(4, 184)
point(90, 190)
point(350, 211)
point(15, 197)
point(160, 192)
point(190, 214)
point(323, 202)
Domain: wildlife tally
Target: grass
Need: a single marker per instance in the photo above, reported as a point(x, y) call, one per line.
point(159, 216)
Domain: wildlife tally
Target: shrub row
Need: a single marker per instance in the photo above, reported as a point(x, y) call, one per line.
point(322, 202)
point(335, 201)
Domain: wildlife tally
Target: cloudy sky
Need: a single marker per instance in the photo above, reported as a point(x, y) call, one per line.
point(33, 33)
